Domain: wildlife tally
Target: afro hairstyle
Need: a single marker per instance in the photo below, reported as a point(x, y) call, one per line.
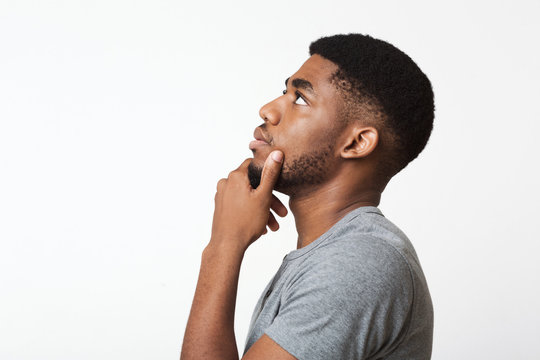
point(377, 77)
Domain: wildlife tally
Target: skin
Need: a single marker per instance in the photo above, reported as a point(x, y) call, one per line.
point(327, 169)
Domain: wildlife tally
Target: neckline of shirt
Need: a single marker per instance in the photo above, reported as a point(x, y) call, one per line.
point(294, 254)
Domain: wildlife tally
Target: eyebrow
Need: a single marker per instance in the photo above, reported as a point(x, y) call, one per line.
point(301, 84)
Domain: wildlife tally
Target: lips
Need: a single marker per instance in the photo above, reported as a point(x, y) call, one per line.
point(260, 139)
point(259, 135)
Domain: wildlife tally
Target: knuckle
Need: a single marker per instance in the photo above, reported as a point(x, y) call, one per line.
point(234, 174)
point(221, 183)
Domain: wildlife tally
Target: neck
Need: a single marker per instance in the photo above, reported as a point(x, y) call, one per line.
point(316, 211)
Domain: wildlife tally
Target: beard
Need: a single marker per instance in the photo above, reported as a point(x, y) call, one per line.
point(298, 173)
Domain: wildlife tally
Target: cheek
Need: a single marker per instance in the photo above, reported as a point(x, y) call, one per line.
point(303, 134)
point(295, 144)
point(294, 138)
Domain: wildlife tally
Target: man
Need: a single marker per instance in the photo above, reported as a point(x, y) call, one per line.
point(354, 114)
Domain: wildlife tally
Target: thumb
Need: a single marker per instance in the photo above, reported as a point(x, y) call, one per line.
point(271, 170)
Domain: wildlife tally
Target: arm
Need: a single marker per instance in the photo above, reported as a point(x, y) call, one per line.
point(210, 328)
point(240, 217)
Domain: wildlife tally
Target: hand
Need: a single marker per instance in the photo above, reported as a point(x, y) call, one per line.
point(242, 213)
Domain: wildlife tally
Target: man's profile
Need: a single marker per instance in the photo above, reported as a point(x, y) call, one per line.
point(356, 113)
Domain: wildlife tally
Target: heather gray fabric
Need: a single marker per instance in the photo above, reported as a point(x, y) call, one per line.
point(356, 292)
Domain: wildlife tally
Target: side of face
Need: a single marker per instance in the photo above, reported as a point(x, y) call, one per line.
point(303, 124)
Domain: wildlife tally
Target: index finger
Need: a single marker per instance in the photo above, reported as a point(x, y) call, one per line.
point(271, 171)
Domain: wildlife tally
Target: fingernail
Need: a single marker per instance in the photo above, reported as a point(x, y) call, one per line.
point(277, 156)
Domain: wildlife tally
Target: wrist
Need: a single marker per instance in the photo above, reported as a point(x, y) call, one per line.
point(224, 249)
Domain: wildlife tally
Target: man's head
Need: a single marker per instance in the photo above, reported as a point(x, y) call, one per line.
point(358, 107)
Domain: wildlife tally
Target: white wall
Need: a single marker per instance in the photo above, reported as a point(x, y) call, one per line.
point(117, 119)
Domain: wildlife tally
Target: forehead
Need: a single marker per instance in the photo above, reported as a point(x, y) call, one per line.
point(318, 71)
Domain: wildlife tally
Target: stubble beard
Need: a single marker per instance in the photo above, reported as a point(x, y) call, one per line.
point(298, 174)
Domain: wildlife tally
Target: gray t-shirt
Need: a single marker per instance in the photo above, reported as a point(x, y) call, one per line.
point(356, 292)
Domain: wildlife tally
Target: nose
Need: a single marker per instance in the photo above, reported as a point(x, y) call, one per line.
point(271, 112)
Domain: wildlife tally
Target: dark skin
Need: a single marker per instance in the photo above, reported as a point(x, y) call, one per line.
point(341, 178)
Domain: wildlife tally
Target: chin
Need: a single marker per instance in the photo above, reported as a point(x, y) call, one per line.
point(254, 173)
point(260, 154)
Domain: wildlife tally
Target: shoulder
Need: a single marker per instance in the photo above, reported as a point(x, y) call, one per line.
point(359, 267)
point(356, 290)
point(355, 258)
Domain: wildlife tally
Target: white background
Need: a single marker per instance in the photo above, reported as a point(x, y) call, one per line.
point(117, 119)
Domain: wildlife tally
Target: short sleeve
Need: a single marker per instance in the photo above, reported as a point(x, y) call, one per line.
point(345, 305)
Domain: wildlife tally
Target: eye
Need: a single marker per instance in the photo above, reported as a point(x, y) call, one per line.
point(299, 97)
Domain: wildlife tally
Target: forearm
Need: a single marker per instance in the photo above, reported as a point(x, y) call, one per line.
point(210, 328)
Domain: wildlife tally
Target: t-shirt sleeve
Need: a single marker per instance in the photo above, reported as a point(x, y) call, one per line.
point(345, 306)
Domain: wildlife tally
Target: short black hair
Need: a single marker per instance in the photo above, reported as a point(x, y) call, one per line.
point(375, 75)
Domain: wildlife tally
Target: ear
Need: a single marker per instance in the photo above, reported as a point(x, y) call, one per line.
point(360, 142)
